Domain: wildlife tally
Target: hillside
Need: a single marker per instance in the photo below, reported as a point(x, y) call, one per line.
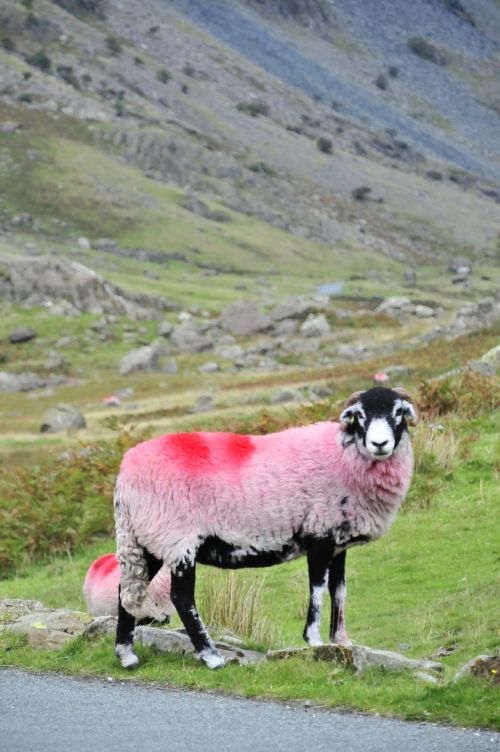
point(187, 155)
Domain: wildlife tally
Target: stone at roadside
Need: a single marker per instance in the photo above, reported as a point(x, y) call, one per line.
point(244, 318)
point(187, 338)
point(62, 418)
point(360, 657)
point(174, 641)
point(50, 630)
point(165, 329)
point(84, 244)
point(482, 666)
point(22, 334)
point(12, 609)
point(203, 404)
point(100, 626)
point(20, 382)
point(145, 359)
point(210, 367)
point(315, 326)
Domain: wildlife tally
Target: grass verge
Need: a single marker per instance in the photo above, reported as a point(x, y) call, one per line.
point(430, 583)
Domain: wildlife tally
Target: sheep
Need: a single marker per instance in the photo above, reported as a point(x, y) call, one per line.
point(100, 589)
point(236, 501)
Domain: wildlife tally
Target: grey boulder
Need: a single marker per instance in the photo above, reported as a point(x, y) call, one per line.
point(244, 318)
point(62, 418)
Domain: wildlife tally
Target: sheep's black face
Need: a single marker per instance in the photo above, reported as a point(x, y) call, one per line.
point(377, 420)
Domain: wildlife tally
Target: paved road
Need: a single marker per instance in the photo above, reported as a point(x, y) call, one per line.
point(62, 714)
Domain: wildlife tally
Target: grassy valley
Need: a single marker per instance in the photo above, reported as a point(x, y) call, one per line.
point(158, 173)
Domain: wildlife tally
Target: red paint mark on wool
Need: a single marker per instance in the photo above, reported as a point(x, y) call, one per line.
point(201, 452)
point(103, 566)
point(188, 449)
point(234, 449)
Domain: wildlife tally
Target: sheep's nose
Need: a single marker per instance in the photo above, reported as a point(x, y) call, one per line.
point(380, 444)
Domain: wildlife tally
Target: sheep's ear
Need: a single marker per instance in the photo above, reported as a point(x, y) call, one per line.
point(409, 408)
point(347, 414)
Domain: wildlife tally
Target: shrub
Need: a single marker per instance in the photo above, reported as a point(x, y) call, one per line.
point(325, 144)
point(40, 60)
point(426, 50)
point(58, 506)
point(466, 394)
point(67, 74)
point(83, 7)
point(138, 60)
point(8, 44)
point(381, 82)
point(261, 167)
point(189, 70)
point(163, 75)
point(254, 109)
point(113, 45)
point(361, 193)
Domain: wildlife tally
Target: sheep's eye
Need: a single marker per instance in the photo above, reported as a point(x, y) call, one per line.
point(399, 411)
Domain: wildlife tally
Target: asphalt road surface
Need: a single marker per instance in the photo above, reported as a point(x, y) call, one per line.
point(61, 714)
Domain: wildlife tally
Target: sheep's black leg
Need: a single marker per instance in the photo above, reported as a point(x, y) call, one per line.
point(337, 588)
point(182, 595)
point(124, 643)
point(318, 563)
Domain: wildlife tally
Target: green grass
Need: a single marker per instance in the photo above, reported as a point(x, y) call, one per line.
point(431, 582)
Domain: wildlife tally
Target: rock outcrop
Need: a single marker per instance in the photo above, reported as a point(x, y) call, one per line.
point(36, 281)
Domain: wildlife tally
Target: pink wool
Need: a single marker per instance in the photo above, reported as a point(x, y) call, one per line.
point(176, 490)
point(100, 590)
point(100, 587)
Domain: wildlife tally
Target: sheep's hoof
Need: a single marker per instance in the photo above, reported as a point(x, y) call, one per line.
point(315, 643)
point(211, 658)
point(342, 640)
point(127, 657)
